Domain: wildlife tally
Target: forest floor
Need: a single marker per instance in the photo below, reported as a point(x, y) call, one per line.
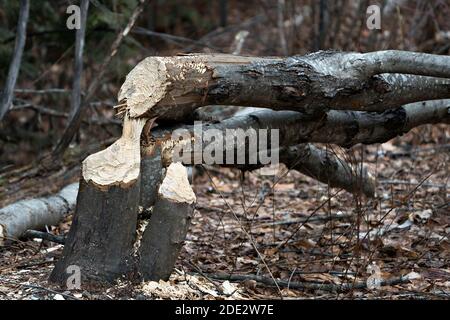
point(323, 243)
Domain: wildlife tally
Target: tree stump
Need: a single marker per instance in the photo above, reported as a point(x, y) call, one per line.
point(103, 231)
point(169, 223)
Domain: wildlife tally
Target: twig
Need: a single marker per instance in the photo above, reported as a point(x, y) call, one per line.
point(307, 219)
point(44, 91)
point(405, 153)
point(8, 92)
point(305, 285)
point(219, 289)
point(252, 241)
point(403, 182)
point(280, 22)
point(173, 39)
point(33, 286)
point(59, 114)
point(44, 236)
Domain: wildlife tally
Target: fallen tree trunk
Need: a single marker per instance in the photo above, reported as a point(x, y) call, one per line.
point(172, 87)
point(344, 128)
point(18, 217)
point(327, 167)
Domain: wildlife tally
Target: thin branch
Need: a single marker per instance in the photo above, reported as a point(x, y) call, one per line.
point(393, 61)
point(36, 287)
point(307, 219)
point(44, 236)
point(173, 39)
point(304, 285)
point(8, 93)
point(280, 26)
point(249, 236)
point(54, 113)
point(43, 91)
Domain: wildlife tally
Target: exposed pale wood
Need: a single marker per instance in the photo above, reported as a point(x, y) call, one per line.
point(101, 238)
point(119, 164)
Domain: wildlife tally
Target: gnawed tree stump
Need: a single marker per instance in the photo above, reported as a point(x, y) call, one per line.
point(101, 238)
point(167, 228)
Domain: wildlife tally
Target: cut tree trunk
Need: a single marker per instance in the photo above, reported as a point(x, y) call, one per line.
point(169, 223)
point(344, 128)
point(18, 217)
point(101, 238)
point(172, 87)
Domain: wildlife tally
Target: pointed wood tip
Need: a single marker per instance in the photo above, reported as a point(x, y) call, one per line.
point(175, 186)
